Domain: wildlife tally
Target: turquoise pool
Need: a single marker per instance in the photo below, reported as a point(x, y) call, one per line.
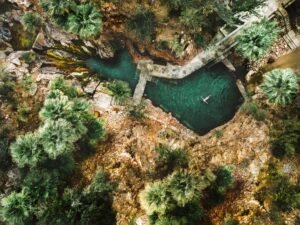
point(181, 97)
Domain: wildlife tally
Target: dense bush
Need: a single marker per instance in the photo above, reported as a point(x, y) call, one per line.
point(179, 4)
point(174, 200)
point(253, 109)
point(192, 18)
point(138, 111)
point(63, 165)
point(120, 91)
point(60, 84)
point(32, 22)
point(5, 159)
point(280, 86)
point(143, 24)
point(41, 186)
point(285, 138)
point(90, 206)
point(7, 84)
point(256, 40)
point(219, 183)
point(170, 159)
point(58, 10)
point(29, 57)
point(283, 194)
point(66, 120)
point(95, 130)
point(224, 179)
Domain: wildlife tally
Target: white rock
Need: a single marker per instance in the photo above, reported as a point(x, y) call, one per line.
point(142, 221)
point(102, 102)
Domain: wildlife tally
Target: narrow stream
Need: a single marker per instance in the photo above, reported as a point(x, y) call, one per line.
point(181, 97)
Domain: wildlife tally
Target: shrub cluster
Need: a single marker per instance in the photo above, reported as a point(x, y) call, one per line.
point(253, 109)
point(170, 159)
point(285, 138)
point(83, 19)
point(221, 181)
point(32, 22)
point(90, 206)
point(283, 194)
point(138, 112)
point(143, 24)
point(47, 153)
point(174, 200)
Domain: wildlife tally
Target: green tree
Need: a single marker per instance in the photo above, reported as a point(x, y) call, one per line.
point(32, 22)
point(14, 208)
point(120, 91)
point(86, 21)
point(27, 150)
point(280, 86)
point(143, 24)
point(256, 40)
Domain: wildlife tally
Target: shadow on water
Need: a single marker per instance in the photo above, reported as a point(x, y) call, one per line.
point(181, 97)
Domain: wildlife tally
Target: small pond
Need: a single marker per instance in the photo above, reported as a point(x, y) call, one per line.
point(181, 97)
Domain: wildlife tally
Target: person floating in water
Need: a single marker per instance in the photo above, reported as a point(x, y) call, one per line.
point(205, 100)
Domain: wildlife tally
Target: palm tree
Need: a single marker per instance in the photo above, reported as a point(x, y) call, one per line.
point(120, 91)
point(184, 188)
point(58, 137)
point(255, 40)
point(14, 208)
point(86, 21)
point(27, 150)
point(58, 7)
point(174, 200)
point(280, 86)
